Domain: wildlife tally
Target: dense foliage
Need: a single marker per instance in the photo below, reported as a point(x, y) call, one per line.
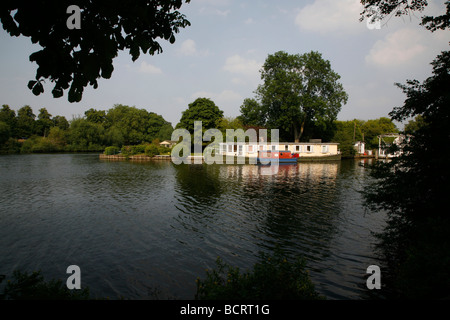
point(273, 277)
point(406, 7)
point(413, 190)
point(77, 58)
point(118, 126)
point(298, 90)
point(346, 133)
point(32, 286)
point(204, 110)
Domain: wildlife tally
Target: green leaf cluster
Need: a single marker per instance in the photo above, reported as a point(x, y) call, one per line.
point(273, 277)
point(298, 91)
point(75, 59)
point(413, 189)
point(32, 286)
point(204, 110)
point(117, 126)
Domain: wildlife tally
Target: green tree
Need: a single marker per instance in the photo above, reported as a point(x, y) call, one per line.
point(131, 121)
point(413, 190)
point(114, 137)
point(43, 123)
point(5, 132)
point(202, 109)
point(415, 124)
point(25, 122)
point(58, 137)
point(229, 123)
point(299, 89)
point(8, 116)
point(61, 122)
point(252, 113)
point(346, 134)
point(373, 128)
point(77, 58)
point(165, 132)
point(405, 7)
point(158, 128)
point(84, 135)
point(95, 116)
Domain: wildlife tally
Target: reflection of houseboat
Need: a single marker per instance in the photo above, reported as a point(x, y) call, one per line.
point(267, 157)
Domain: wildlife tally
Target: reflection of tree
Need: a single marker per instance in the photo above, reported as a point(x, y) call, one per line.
point(198, 189)
point(295, 208)
point(127, 177)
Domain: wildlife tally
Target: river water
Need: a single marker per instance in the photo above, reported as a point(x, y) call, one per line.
point(148, 230)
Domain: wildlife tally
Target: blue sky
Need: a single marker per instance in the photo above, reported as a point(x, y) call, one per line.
point(220, 54)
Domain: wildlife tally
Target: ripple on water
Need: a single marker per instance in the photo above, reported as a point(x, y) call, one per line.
point(136, 228)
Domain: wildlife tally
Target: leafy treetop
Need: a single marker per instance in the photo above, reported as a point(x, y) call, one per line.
point(77, 58)
point(406, 7)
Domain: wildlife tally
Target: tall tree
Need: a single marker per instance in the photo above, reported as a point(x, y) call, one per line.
point(413, 190)
point(8, 116)
point(299, 89)
point(202, 109)
point(84, 133)
point(375, 127)
point(131, 121)
point(158, 128)
point(76, 58)
point(5, 132)
point(61, 122)
point(43, 122)
point(252, 113)
point(25, 122)
point(95, 116)
point(413, 187)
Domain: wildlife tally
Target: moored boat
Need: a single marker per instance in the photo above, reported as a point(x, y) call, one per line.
point(268, 157)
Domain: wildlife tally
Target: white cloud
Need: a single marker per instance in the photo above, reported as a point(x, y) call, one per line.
point(406, 47)
point(238, 65)
point(209, 7)
point(149, 68)
point(189, 48)
point(238, 81)
point(214, 11)
point(324, 16)
point(398, 48)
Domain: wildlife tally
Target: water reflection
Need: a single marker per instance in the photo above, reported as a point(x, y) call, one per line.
point(135, 226)
point(295, 208)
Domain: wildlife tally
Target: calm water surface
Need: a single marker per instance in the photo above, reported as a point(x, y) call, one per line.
point(139, 228)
